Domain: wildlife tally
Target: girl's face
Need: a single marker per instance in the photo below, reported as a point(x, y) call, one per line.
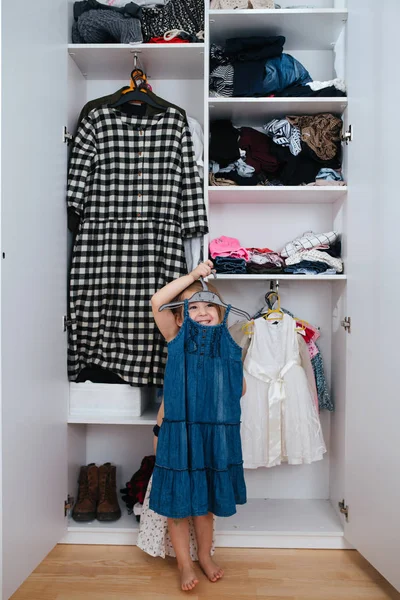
point(204, 313)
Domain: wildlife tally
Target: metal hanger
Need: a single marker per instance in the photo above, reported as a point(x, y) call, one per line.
point(206, 296)
point(271, 297)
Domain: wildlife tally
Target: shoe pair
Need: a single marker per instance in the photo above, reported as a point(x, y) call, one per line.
point(97, 494)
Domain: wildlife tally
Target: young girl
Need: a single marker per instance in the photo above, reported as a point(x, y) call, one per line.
point(199, 468)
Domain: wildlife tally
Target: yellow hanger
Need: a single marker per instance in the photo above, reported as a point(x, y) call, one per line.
point(274, 311)
point(247, 328)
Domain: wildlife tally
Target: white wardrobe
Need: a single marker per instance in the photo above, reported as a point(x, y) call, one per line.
point(45, 83)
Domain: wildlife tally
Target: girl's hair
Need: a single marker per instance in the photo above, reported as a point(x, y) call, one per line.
point(197, 287)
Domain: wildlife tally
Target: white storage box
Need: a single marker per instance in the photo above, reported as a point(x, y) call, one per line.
point(107, 400)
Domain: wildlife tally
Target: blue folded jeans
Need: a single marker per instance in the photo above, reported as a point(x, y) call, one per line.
point(225, 264)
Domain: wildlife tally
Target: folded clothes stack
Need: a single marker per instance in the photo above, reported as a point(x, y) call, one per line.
point(313, 254)
point(228, 255)
point(120, 21)
point(310, 254)
point(264, 261)
point(257, 66)
point(229, 265)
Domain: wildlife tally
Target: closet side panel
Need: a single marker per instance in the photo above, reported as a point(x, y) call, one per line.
point(373, 408)
point(34, 379)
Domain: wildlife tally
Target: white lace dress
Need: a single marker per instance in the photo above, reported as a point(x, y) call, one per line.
point(153, 535)
point(280, 421)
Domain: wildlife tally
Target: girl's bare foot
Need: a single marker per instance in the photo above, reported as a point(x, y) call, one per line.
point(210, 568)
point(188, 577)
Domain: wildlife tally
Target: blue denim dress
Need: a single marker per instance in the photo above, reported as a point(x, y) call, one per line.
point(199, 465)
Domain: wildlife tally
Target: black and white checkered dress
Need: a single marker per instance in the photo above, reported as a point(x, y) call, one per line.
point(135, 185)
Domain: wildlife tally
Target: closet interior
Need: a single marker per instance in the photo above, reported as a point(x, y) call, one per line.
point(50, 426)
point(289, 505)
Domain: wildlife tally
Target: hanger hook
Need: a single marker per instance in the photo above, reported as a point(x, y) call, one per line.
point(203, 285)
point(136, 59)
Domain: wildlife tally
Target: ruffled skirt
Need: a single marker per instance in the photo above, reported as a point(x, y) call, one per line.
point(199, 469)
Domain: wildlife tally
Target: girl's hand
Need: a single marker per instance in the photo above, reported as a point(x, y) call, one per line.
point(203, 270)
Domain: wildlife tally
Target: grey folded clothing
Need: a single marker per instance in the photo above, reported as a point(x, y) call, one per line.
point(104, 26)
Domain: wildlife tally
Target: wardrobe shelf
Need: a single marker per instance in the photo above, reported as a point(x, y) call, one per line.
point(261, 523)
point(304, 29)
point(149, 417)
point(257, 111)
point(160, 61)
point(290, 194)
point(281, 277)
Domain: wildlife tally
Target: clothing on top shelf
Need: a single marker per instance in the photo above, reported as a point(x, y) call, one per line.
point(230, 265)
point(264, 256)
point(327, 182)
point(241, 4)
point(238, 179)
point(255, 269)
point(104, 26)
point(294, 170)
point(339, 84)
point(224, 142)
point(280, 422)
point(284, 134)
point(127, 9)
point(301, 91)
point(174, 40)
point(329, 175)
point(204, 460)
point(149, 2)
point(258, 150)
point(214, 180)
point(315, 256)
point(320, 132)
point(184, 15)
point(308, 267)
point(309, 240)
point(255, 48)
point(261, 78)
point(135, 210)
point(228, 246)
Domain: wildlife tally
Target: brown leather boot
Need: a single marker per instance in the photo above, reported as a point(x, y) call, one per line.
point(85, 507)
point(108, 508)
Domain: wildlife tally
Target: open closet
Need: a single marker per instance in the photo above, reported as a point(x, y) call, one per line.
point(50, 426)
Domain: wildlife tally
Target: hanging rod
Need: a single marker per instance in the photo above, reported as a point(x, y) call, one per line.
point(271, 285)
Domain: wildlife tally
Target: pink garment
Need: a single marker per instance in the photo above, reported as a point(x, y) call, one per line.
point(227, 246)
point(313, 349)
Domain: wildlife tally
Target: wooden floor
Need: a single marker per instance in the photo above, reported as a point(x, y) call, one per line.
point(126, 573)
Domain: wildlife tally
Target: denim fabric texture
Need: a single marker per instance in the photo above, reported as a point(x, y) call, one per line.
point(282, 72)
point(199, 465)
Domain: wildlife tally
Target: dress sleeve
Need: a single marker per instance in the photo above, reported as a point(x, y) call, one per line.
point(81, 164)
point(193, 210)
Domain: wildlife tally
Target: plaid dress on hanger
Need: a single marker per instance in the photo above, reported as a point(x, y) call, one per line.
point(134, 183)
